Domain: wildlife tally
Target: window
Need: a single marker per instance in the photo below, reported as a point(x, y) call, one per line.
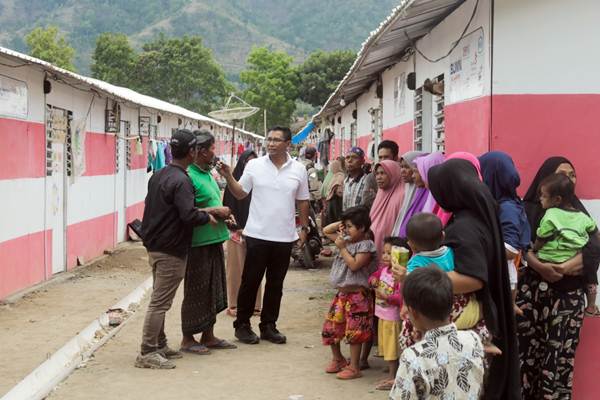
point(58, 130)
point(422, 120)
point(439, 135)
point(125, 129)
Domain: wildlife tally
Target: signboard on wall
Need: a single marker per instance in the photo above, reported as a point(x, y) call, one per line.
point(144, 124)
point(13, 98)
point(467, 73)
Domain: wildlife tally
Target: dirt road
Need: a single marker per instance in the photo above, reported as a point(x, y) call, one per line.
point(264, 371)
point(40, 323)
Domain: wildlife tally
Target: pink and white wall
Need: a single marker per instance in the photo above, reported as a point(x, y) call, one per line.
point(51, 221)
point(546, 93)
point(535, 94)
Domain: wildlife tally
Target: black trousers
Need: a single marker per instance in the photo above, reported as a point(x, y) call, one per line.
point(262, 256)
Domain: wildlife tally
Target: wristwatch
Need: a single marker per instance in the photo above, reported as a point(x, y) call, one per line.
point(305, 229)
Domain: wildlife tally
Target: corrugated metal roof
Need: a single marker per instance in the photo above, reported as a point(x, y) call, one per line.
point(386, 45)
point(121, 93)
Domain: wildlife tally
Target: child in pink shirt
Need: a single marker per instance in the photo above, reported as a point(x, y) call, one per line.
point(388, 300)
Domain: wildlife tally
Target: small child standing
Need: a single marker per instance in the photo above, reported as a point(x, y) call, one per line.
point(425, 236)
point(563, 231)
point(350, 315)
point(447, 363)
point(388, 301)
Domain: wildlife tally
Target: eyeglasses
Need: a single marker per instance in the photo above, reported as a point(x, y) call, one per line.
point(275, 140)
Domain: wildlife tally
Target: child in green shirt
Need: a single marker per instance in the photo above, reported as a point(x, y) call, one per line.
point(564, 230)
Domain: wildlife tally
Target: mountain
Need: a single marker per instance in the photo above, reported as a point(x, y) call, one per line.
point(229, 27)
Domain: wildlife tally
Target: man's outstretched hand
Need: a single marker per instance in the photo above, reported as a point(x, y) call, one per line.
point(223, 169)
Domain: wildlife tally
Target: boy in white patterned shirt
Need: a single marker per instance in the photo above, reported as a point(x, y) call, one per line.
point(446, 363)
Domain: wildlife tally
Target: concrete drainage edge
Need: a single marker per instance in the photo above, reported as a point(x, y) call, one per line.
point(41, 381)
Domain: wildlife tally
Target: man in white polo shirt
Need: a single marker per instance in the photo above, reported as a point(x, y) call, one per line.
point(277, 183)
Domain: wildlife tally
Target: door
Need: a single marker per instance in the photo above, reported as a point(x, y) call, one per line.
point(57, 141)
point(120, 181)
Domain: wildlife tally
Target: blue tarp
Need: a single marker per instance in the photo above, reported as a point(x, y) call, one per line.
point(303, 134)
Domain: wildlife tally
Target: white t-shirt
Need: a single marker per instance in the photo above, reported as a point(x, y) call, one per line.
point(272, 214)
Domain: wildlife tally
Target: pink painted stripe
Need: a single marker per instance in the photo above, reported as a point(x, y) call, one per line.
point(401, 134)
point(23, 149)
point(100, 157)
point(88, 239)
point(134, 211)
point(139, 161)
point(468, 126)
point(23, 261)
point(534, 127)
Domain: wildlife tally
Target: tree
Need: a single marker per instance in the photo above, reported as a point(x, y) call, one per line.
point(48, 45)
point(114, 60)
point(321, 73)
point(271, 83)
point(181, 71)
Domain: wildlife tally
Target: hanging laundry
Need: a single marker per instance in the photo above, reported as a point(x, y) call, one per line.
point(168, 155)
point(160, 156)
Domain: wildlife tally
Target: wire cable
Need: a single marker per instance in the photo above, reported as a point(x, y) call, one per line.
point(414, 45)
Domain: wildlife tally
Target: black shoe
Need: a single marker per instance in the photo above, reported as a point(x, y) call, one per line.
point(271, 334)
point(245, 334)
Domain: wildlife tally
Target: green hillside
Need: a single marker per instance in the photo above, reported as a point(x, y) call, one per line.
point(229, 27)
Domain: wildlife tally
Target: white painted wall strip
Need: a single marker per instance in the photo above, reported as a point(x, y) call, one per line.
point(22, 203)
point(39, 383)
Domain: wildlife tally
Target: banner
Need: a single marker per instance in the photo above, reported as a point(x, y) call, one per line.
point(13, 98)
point(78, 147)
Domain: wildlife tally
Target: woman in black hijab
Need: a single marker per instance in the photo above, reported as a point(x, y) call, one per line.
point(552, 300)
point(236, 246)
point(480, 264)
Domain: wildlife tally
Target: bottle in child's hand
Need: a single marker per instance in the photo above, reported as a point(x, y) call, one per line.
point(400, 255)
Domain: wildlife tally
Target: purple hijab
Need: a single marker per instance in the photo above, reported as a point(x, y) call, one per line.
point(423, 200)
point(423, 165)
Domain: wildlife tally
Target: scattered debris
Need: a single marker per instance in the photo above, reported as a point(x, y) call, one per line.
point(116, 316)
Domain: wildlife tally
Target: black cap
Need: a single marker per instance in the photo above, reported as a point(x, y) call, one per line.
point(310, 152)
point(183, 139)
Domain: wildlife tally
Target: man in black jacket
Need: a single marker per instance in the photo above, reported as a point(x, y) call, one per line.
point(169, 219)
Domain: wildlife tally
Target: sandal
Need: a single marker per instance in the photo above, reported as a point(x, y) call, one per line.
point(594, 313)
point(221, 344)
point(348, 373)
point(385, 384)
point(336, 366)
point(196, 348)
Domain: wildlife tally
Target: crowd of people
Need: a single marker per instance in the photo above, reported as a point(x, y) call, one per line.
point(522, 273)
point(466, 289)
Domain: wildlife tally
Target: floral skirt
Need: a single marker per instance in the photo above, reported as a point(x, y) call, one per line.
point(350, 317)
point(548, 333)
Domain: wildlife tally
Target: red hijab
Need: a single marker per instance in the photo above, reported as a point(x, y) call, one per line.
point(387, 203)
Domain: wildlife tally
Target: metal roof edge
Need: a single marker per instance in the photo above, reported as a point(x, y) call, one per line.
point(119, 92)
point(396, 13)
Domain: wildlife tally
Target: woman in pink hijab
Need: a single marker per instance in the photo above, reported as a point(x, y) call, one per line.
point(463, 155)
point(388, 201)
